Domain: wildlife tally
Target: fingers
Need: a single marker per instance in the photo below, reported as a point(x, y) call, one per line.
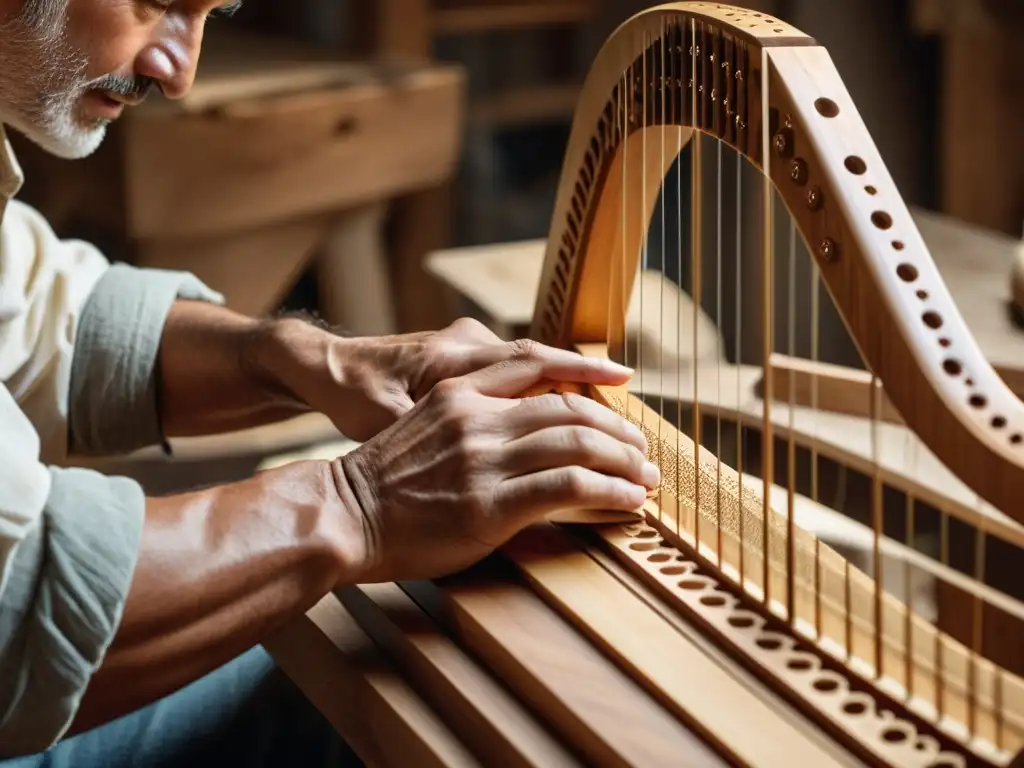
point(572, 410)
point(540, 494)
point(558, 447)
point(527, 363)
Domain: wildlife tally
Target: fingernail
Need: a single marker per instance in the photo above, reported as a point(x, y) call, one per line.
point(614, 367)
point(651, 475)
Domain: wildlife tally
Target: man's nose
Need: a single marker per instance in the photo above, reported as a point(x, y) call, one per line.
point(172, 65)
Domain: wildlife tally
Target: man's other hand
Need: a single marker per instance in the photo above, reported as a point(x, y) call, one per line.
point(364, 384)
point(471, 464)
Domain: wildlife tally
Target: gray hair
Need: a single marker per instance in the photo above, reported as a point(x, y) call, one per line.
point(43, 19)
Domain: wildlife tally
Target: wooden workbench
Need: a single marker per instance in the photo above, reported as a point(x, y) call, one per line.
point(281, 158)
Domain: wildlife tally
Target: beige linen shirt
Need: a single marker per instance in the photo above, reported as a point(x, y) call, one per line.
point(78, 347)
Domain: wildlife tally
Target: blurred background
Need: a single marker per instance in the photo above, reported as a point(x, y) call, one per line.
point(389, 129)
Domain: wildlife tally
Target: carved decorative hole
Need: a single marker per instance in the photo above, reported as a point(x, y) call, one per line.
point(969, 382)
point(692, 584)
point(713, 601)
point(932, 319)
point(856, 165)
point(922, 295)
point(894, 735)
point(673, 570)
point(648, 533)
point(659, 557)
point(1016, 439)
point(944, 342)
point(898, 245)
point(643, 546)
point(800, 664)
point(907, 272)
point(826, 685)
point(769, 643)
point(952, 367)
point(998, 422)
point(871, 190)
point(978, 401)
point(827, 108)
point(881, 219)
point(855, 707)
point(741, 621)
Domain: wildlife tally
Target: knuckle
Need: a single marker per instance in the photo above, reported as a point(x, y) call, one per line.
point(635, 458)
point(583, 441)
point(524, 349)
point(467, 324)
point(448, 393)
point(577, 482)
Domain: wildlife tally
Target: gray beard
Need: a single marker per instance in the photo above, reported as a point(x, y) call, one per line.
point(42, 77)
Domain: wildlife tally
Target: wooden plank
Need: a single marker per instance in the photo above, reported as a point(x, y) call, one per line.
point(377, 714)
point(701, 691)
point(473, 704)
point(585, 700)
point(288, 156)
point(825, 387)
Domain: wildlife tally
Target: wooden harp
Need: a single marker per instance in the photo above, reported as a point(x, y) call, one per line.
point(719, 604)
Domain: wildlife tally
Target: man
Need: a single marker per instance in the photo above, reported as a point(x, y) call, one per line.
point(127, 623)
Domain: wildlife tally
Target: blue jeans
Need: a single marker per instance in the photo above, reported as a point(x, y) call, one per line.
point(247, 713)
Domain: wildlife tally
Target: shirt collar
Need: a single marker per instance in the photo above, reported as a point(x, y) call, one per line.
point(11, 176)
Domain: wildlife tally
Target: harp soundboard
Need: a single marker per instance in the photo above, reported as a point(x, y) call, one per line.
point(718, 149)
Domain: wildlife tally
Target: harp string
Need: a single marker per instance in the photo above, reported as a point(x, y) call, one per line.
point(663, 92)
point(680, 95)
point(768, 323)
point(718, 351)
point(791, 442)
point(739, 359)
point(696, 254)
point(815, 493)
point(877, 519)
point(644, 223)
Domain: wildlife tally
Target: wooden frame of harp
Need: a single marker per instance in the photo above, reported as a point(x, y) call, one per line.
point(714, 627)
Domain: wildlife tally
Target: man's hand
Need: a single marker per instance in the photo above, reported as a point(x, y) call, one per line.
point(470, 465)
point(365, 384)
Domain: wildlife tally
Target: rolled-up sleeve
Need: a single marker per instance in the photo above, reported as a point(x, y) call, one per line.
point(114, 394)
point(69, 544)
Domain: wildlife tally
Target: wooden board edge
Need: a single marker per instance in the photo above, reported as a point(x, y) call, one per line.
point(478, 708)
point(340, 670)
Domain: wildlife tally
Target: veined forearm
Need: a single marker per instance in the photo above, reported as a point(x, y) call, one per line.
point(211, 374)
point(219, 569)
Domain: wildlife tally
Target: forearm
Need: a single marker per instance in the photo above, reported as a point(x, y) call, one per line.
point(218, 570)
point(213, 372)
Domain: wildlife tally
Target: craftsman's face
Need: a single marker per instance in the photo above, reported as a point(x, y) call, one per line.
point(70, 67)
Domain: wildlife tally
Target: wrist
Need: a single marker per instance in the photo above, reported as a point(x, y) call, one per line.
point(354, 537)
point(280, 356)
